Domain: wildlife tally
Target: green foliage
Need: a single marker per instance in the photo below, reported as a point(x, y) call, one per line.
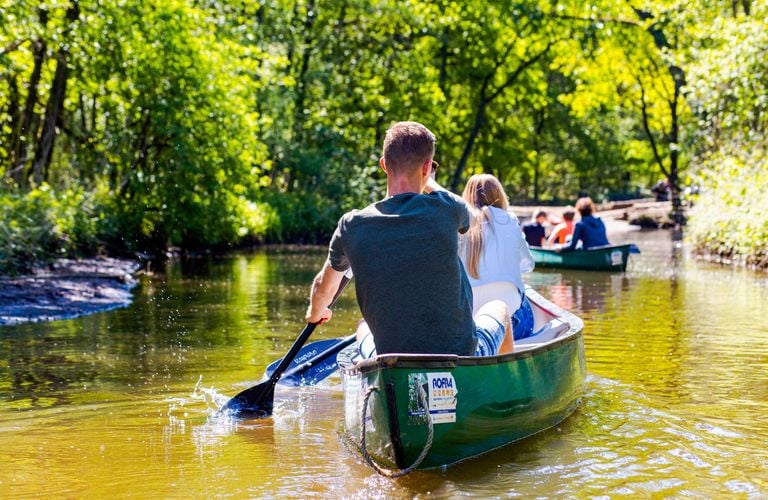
point(209, 123)
point(729, 84)
point(729, 217)
point(41, 225)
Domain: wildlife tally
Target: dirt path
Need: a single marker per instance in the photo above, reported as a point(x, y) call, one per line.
point(67, 289)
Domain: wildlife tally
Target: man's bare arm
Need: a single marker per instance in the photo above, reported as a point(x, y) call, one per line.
point(324, 287)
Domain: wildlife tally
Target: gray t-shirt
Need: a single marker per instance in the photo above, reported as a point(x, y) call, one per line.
point(410, 284)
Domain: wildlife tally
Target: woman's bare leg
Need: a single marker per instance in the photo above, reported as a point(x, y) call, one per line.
point(499, 310)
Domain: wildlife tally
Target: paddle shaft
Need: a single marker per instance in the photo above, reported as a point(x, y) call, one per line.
point(258, 399)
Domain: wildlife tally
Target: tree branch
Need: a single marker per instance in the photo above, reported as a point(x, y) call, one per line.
point(11, 47)
point(647, 128)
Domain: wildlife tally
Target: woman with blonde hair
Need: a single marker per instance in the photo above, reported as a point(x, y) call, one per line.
point(494, 252)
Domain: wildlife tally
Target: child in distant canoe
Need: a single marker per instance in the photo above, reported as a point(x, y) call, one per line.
point(494, 252)
point(561, 232)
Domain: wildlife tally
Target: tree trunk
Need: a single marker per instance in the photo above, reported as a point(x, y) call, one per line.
point(13, 137)
point(44, 151)
point(674, 184)
point(537, 148)
point(678, 77)
point(473, 134)
point(55, 105)
point(29, 120)
point(486, 97)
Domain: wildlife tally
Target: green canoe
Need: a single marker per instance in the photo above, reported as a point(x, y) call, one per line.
point(473, 404)
point(607, 258)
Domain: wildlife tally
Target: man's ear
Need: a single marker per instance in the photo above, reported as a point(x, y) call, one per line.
point(426, 168)
point(383, 167)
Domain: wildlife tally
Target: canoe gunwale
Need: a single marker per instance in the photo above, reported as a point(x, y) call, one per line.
point(436, 361)
point(599, 249)
point(592, 259)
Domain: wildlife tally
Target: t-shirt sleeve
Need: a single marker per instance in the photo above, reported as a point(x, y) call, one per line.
point(465, 218)
point(461, 211)
point(464, 214)
point(336, 256)
point(527, 264)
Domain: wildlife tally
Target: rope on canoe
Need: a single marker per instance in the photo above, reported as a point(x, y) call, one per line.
point(430, 434)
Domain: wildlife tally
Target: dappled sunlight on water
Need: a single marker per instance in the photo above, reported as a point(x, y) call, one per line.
point(126, 403)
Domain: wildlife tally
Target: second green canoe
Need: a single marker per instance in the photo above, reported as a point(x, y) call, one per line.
point(607, 258)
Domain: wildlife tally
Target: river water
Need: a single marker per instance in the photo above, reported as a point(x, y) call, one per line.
point(123, 403)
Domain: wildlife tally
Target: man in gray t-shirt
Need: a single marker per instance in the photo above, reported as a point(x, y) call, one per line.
point(411, 286)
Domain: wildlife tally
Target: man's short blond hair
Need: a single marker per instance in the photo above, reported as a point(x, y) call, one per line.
point(407, 146)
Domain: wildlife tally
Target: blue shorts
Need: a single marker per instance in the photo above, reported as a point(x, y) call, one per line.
point(522, 320)
point(489, 333)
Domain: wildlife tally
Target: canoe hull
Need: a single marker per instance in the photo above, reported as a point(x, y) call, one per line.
point(611, 258)
point(476, 404)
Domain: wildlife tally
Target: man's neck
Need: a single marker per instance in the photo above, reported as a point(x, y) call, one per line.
point(402, 185)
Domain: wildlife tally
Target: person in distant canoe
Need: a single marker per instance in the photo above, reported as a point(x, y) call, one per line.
point(535, 232)
point(494, 252)
point(403, 250)
point(590, 230)
point(561, 233)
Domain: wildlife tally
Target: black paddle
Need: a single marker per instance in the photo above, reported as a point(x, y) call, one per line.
point(257, 401)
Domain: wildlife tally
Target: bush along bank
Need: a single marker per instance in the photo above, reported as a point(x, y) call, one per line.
point(42, 225)
point(728, 221)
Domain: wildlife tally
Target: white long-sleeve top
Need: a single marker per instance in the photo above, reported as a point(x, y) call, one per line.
point(505, 258)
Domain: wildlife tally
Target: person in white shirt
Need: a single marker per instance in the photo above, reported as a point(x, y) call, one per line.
point(494, 252)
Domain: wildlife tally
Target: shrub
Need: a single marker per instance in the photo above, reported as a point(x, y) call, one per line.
point(729, 218)
point(41, 225)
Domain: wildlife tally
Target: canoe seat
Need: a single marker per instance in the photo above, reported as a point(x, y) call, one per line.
point(549, 331)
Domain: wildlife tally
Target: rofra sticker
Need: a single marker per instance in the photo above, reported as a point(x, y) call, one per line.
point(443, 396)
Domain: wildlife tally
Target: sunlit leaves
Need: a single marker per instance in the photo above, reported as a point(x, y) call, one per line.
point(214, 121)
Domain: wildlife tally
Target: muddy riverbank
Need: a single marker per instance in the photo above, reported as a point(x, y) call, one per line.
point(67, 289)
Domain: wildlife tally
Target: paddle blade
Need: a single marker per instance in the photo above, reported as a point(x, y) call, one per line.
point(309, 376)
point(254, 402)
point(314, 362)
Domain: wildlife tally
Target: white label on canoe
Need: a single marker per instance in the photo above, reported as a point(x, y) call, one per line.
point(442, 397)
point(616, 258)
